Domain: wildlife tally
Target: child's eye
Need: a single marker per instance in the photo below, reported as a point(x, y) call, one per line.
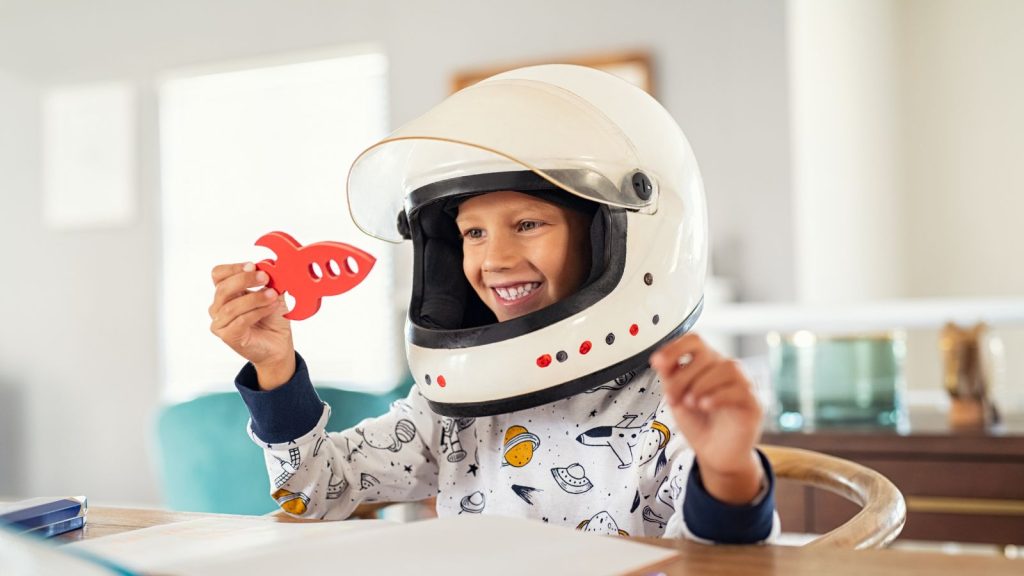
point(473, 233)
point(527, 225)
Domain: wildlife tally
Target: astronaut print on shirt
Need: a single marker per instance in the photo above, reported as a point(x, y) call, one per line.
point(609, 461)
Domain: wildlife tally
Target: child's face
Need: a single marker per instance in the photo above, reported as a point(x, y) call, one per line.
point(522, 253)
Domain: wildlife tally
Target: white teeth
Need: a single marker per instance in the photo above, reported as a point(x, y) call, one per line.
point(516, 292)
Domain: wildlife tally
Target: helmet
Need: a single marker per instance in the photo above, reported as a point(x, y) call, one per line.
point(561, 130)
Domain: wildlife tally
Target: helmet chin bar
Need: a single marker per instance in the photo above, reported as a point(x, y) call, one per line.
point(567, 389)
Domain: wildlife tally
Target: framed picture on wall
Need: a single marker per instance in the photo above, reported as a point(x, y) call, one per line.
point(634, 67)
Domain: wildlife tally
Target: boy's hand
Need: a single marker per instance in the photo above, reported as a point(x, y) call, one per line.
point(715, 408)
point(252, 322)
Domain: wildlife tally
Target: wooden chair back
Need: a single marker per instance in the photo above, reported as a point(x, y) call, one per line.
point(883, 510)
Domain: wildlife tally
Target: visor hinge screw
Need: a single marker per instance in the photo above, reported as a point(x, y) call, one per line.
point(642, 186)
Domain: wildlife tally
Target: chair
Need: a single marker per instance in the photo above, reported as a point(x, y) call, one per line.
point(883, 510)
point(207, 463)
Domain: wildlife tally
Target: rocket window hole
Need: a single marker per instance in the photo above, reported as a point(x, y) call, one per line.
point(351, 266)
point(315, 271)
point(333, 270)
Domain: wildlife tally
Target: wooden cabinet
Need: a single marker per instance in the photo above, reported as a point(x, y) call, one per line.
point(959, 486)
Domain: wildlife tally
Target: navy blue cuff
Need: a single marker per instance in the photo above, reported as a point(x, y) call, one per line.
point(717, 521)
point(284, 413)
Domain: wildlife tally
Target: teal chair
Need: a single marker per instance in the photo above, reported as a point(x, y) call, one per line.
point(207, 463)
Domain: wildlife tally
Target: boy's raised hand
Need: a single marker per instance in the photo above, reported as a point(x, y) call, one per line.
point(715, 407)
point(251, 322)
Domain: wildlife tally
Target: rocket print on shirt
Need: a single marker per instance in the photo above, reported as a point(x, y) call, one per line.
point(652, 437)
point(607, 463)
point(653, 440)
point(291, 502)
point(621, 438)
point(288, 469)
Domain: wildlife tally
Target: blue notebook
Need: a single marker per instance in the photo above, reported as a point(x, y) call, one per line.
point(44, 516)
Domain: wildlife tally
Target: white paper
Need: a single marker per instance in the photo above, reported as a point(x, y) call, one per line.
point(189, 546)
point(29, 556)
point(465, 545)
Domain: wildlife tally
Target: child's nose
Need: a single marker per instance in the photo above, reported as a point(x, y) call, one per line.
point(501, 254)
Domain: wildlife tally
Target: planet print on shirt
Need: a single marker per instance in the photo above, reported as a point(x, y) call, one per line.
point(405, 432)
point(519, 446)
point(602, 523)
point(291, 502)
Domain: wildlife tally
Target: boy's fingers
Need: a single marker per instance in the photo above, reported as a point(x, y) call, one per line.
point(666, 359)
point(236, 285)
point(678, 378)
point(727, 395)
point(235, 330)
point(721, 374)
point(222, 271)
point(239, 307)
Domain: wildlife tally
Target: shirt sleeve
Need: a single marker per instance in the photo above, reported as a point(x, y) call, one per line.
point(709, 519)
point(319, 474)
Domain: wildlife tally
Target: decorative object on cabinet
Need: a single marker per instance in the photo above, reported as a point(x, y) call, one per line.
point(966, 376)
point(837, 380)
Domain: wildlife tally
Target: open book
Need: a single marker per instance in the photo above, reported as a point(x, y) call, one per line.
point(470, 545)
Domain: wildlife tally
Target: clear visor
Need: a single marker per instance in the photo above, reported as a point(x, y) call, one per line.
point(497, 126)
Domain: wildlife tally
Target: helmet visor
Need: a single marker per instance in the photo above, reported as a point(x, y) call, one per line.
point(498, 126)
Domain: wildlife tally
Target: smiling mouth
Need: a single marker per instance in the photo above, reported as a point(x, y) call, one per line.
point(514, 293)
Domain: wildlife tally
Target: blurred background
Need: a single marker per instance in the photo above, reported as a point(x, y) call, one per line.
point(863, 159)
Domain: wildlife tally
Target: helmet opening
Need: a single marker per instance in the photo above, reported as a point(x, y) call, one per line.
point(445, 311)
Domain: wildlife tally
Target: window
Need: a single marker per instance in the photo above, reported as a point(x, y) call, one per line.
point(246, 152)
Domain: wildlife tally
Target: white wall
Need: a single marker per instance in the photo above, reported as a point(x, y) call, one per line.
point(963, 123)
point(848, 199)
point(964, 120)
point(908, 159)
point(80, 340)
point(908, 147)
point(17, 154)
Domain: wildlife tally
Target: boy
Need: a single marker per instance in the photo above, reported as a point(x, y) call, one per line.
point(533, 318)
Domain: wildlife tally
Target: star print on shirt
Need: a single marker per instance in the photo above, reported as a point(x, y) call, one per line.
point(472, 469)
point(408, 468)
point(593, 413)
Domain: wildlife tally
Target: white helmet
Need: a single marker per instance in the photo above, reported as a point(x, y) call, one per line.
point(543, 129)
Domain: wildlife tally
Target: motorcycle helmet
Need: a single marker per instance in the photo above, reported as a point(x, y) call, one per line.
point(570, 135)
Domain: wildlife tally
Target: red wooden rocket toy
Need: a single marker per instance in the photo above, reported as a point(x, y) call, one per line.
point(312, 272)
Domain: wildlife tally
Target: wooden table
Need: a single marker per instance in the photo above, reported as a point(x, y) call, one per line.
point(960, 485)
point(695, 559)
